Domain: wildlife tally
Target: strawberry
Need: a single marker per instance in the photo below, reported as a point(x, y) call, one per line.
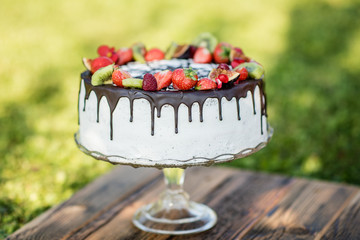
point(184, 79)
point(125, 55)
point(119, 75)
point(222, 52)
point(163, 79)
point(106, 51)
point(154, 54)
point(149, 82)
point(243, 74)
point(202, 55)
point(205, 84)
point(100, 62)
point(237, 61)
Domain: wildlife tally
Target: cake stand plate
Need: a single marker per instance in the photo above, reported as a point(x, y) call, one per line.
point(174, 213)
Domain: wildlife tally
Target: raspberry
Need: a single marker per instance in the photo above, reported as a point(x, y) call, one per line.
point(149, 82)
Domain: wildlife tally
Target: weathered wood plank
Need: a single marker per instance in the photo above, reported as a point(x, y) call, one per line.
point(249, 206)
point(120, 226)
point(239, 198)
point(347, 224)
point(303, 213)
point(244, 205)
point(85, 204)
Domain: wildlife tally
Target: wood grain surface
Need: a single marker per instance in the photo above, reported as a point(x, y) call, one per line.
point(249, 205)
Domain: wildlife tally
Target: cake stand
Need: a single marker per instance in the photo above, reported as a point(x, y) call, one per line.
point(174, 213)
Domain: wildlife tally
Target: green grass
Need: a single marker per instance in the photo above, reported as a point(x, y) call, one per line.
point(310, 51)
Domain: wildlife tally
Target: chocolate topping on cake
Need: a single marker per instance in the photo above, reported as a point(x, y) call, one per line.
point(172, 98)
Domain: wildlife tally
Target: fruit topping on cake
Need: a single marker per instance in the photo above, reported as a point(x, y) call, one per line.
point(106, 51)
point(125, 55)
point(202, 55)
point(243, 74)
point(154, 54)
point(149, 82)
point(182, 67)
point(100, 62)
point(133, 83)
point(223, 66)
point(102, 76)
point(224, 75)
point(170, 51)
point(205, 40)
point(255, 70)
point(139, 51)
point(87, 63)
point(184, 79)
point(222, 52)
point(163, 79)
point(119, 75)
point(183, 51)
point(205, 84)
point(236, 62)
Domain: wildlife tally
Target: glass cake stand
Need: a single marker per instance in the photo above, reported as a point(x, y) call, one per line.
point(174, 213)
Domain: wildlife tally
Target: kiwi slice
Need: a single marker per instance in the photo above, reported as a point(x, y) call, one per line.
point(132, 83)
point(139, 51)
point(207, 40)
point(170, 51)
point(255, 70)
point(102, 75)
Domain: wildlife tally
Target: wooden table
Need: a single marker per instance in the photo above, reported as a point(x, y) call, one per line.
point(249, 206)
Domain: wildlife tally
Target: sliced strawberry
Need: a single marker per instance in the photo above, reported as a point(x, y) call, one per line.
point(100, 62)
point(119, 75)
point(184, 79)
point(202, 55)
point(154, 54)
point(163, 79)
point(243, 74)
point(125, 55)
point(205, 84)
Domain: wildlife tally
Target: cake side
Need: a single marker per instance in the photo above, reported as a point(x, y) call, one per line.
point(135, 124)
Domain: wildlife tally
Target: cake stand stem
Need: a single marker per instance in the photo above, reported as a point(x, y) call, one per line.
point(174, 213)
point(174, 178)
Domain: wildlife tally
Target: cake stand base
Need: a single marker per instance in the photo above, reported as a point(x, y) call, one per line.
point(173, 213)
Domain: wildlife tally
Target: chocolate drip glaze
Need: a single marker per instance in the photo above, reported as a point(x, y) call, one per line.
point(174, 98)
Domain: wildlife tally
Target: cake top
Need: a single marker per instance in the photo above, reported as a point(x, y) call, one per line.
point(204, 64)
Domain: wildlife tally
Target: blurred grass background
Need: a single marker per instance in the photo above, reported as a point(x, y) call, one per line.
point(310, 50)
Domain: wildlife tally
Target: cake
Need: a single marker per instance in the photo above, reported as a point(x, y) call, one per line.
point(143, 119)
